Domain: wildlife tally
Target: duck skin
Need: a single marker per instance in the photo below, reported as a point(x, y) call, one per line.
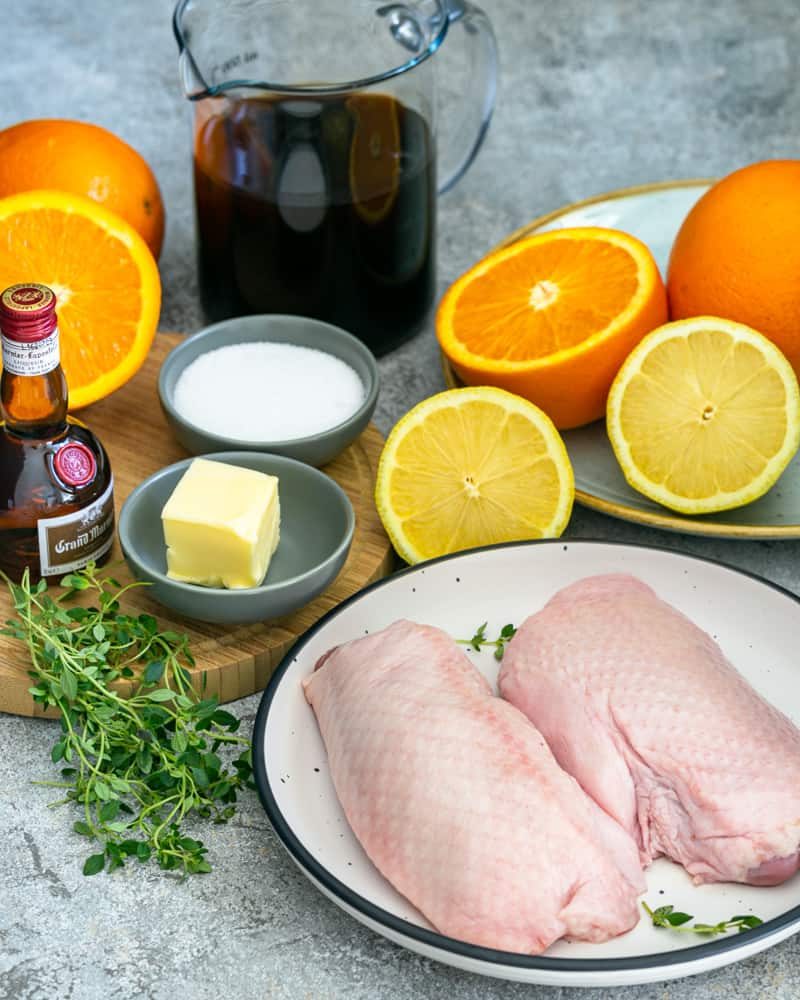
point(641, 706)
point(458, 801)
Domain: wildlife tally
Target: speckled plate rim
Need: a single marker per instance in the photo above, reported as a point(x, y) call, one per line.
point(651, 519)
point(489, 961)
point(597, 199)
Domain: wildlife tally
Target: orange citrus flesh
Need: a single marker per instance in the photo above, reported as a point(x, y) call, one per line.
point(552, 318)
point(505, 317)
point(106, 283)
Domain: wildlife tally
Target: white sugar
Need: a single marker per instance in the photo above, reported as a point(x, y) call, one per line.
point(267, 392)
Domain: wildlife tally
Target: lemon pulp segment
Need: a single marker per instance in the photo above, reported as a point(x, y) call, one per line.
point(704, 415)
point(472, 467)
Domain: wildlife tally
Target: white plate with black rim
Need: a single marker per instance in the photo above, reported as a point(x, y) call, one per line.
point(755, 622)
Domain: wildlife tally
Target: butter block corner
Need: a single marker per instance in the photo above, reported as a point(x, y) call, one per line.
point(221, 525)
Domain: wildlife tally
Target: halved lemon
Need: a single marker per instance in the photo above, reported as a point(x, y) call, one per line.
point(108, 291)
point(472, 467)
point(704, 415)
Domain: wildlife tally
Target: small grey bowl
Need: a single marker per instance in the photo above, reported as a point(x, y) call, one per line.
point(317, 524)
point(316, 449)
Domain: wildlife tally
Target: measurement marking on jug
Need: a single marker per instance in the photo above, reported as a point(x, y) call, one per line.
point(232, 63)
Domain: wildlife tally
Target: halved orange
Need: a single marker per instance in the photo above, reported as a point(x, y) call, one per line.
point(106, 282)
point(552, 317)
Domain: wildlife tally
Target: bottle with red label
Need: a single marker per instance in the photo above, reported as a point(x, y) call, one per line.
point(56, 487)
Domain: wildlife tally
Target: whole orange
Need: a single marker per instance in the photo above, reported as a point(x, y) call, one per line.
point(80, 158)
point(737, 254)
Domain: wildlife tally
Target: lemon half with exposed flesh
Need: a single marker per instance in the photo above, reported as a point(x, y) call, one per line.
point(472, 467)
point(704, 415)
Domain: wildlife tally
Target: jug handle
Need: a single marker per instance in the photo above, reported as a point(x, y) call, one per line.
point(465, 16)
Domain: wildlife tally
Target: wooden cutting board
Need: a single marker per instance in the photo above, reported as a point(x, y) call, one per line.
point(234, 660)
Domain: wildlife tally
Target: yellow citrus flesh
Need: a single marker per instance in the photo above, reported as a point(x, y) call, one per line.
point(472, 467)
point(704, 415)
point(106, 282)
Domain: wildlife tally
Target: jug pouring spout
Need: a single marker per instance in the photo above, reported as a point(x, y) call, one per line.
point(192, 83)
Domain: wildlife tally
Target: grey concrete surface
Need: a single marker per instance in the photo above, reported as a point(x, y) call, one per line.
point(594, 95)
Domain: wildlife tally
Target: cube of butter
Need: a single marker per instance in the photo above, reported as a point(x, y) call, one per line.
point(221, 525)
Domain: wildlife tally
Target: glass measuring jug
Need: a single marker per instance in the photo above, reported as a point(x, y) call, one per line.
point(320, 142)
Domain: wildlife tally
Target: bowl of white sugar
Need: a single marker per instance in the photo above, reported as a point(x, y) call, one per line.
point(288, 385)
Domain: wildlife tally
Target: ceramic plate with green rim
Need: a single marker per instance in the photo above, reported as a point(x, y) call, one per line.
point(654, 213)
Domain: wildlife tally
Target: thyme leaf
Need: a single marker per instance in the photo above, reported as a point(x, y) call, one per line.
point(479, 640)
point(669, 917)
point(139, 767)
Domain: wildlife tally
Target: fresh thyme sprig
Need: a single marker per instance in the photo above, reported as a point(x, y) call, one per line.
point(479, 640)
point(138, 766)
point(668, 916)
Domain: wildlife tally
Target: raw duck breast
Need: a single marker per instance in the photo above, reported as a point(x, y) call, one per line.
point(458, 801)
point(642, 707)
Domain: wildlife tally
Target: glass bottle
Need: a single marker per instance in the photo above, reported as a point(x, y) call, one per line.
point(56, 487)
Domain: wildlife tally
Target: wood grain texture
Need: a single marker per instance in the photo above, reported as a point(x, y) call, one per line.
point(232, 661)
point(451, 380)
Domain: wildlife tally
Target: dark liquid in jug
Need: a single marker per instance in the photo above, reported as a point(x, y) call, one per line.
point(321, 206)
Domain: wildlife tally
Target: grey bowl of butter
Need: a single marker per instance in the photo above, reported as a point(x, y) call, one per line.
point(315, 533)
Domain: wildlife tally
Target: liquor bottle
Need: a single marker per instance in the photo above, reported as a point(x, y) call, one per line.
point(56, 487)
